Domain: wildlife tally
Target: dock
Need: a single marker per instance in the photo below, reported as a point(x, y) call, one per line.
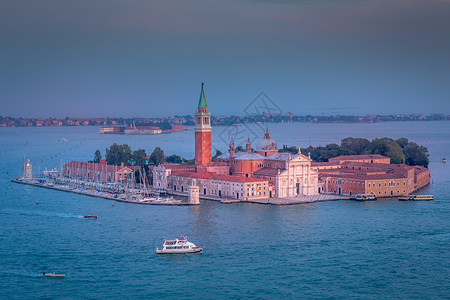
point(104, 195)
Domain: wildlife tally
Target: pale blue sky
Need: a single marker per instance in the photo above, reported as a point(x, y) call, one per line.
point(131, 58)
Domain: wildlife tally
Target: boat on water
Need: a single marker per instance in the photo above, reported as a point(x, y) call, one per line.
point(180, 245)
point(444, 160)
point(366, 197)
point(54, 275)
point(416, 198)
point(90, 217)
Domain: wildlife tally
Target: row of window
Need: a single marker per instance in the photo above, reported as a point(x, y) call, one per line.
point(391, 183)
point(177, 247)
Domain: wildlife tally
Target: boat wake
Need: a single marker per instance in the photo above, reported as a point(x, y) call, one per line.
point(19, 273)
point(39, 213)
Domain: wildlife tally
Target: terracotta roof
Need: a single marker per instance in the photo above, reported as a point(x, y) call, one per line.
point(267, 171)
point(218, 177)
point(358, 157)
point(327, 163)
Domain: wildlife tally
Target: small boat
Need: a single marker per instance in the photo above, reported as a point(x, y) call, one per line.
point(416, 198)
point(366, 197)
point(90, 217)
point(54, 275)
point(444, 160)
point(180, 245)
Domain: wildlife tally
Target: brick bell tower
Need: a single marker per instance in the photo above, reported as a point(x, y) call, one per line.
point(202, 132)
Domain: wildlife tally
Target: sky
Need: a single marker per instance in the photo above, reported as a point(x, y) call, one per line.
point(143, 58)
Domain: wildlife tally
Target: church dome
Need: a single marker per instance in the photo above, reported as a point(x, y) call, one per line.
point(266, 144)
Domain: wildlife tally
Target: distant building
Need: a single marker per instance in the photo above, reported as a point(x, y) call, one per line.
point(365, 174)
point(133, 129)
point(97, 171)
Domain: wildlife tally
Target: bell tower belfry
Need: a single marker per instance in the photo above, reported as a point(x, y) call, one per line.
point(202, 130)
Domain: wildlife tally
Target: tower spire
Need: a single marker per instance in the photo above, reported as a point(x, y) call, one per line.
point(202, 100)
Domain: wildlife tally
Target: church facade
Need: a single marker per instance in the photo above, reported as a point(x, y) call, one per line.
point(253, 174)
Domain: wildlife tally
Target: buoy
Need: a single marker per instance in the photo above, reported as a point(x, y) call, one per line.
point(37, 201)
point(112, 203)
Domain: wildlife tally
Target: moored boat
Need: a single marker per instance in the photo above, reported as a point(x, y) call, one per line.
point(416, 198)
point(54, 275)
point(180, 245)
point(366, 197)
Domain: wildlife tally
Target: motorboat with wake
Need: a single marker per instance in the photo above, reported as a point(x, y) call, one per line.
point(180, 245)
point(54, 275)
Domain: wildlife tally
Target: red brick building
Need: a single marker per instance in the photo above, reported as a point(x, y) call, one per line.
point(97, 171)
point(351, 175)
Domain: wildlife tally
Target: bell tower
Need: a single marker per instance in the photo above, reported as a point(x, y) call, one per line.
point(202, 132)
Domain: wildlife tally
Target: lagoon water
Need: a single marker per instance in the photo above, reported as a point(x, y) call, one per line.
point(338, 249)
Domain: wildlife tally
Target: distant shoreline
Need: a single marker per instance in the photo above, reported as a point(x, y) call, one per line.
point(188, 120)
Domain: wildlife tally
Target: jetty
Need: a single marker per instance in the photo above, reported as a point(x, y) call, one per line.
point(133, 198)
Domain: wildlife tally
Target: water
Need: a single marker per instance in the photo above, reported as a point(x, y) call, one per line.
point(381, 249)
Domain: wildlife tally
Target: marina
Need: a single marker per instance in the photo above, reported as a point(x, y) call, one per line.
point(123, 197)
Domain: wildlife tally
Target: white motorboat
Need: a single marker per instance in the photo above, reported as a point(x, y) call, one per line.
point(54, 275)
point(180, 245)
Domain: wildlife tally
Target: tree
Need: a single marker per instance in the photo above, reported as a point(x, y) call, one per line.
point(218, 153)
point(402, 142)
point(356, 145)
point(387, 147)
point(138, 157)
point(157, 157)
point(416, 155)
point(240, 149)
point(292, 149)
point(165, 125)
point(118, 154)
point(175, 159)
point(97, 156)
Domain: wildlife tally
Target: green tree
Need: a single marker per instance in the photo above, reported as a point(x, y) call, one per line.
point(240, 149)
point(387, 147)
point(157, 157)
point(292, 149)
point(138, 157)
point(402, 142)
point(355, 145)
point(416, 155)
point(218, 153)
point(118, 154)
point(97, 156)
point(165, 125)
point(175, 159)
